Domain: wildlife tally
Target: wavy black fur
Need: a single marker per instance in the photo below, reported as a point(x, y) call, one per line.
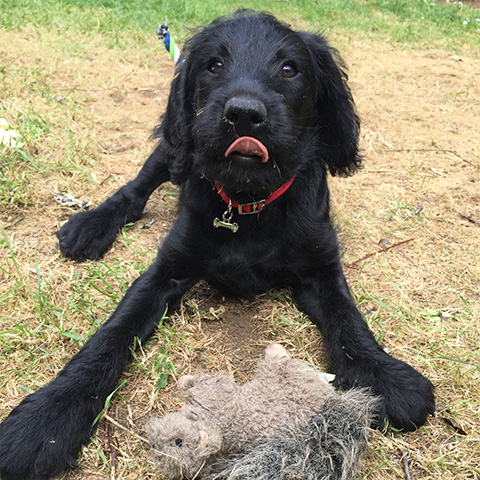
point(311, 128)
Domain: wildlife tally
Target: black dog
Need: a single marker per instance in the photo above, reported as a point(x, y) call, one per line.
point(257, 116)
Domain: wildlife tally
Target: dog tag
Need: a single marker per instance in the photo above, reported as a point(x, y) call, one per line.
point(226, 221)
point(220, 223)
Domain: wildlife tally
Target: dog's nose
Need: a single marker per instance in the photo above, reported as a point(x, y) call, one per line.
point(245, 113)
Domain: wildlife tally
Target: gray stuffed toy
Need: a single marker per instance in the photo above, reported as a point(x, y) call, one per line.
point(286, 423)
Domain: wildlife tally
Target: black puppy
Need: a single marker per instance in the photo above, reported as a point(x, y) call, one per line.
point(257, 116)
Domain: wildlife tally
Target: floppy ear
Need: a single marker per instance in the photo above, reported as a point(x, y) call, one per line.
point(175, 127)
point(338, 126)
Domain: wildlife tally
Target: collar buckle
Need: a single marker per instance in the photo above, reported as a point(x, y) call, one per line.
point(250, 208)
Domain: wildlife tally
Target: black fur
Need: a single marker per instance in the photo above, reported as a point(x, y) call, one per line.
point(308, 123)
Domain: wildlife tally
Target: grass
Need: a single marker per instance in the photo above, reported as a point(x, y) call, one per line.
point(83, 83)
point(423, 22)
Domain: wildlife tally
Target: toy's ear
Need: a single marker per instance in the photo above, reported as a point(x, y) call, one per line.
point(176, 126)
point(210, 443)
point(186, 381)
point(338, 126)
point(203, 438)
point(275, 351)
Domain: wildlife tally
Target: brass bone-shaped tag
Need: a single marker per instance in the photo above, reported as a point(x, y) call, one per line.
point(226, 221)
point(221, 223)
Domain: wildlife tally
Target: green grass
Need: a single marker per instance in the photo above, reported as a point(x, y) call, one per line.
point(17, 163)
point(41, 133)
point(96, 287)
point(412, 22)
point(441, 328)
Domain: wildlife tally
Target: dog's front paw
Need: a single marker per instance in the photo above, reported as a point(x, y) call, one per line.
point(406, 396)
point(42, 437)
point(88, 235)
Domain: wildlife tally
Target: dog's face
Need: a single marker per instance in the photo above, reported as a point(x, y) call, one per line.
point(259, 90)
point(254, 102)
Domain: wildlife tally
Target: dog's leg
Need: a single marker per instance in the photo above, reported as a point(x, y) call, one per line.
point(355, 356)
point(43, 435)
point(87, 235)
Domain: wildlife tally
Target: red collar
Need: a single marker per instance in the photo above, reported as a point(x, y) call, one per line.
point(254, 207)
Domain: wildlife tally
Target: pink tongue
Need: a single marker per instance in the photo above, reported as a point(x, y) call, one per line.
point(248, 146)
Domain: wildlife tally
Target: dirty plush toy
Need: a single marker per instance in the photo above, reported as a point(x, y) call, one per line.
point(287, 422)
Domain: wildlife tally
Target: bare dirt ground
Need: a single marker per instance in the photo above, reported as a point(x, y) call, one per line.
point(420, 185)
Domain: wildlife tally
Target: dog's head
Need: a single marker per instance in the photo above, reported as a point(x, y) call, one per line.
point(256, 101)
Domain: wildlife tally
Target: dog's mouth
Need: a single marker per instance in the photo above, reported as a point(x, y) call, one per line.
point(248, 148)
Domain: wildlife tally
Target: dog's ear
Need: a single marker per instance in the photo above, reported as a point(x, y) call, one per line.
point(338, 125)
point(175, 127)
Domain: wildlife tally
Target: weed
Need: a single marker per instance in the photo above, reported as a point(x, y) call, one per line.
point(163, 367)
point(108, 402)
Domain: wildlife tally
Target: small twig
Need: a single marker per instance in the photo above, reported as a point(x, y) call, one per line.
point(105, 179)
point(113, 458)
point(406, 469)
point(470, 219)
point(437, 150)
point(109, 447)
point(106, 437)
point(368, 255)
point(112, 421)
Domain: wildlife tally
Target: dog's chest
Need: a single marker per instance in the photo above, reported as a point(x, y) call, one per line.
point(246, 269)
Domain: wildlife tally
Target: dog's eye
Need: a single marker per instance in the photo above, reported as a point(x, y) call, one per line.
point(178, 442)
point(215, 65)
point(288, 70)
